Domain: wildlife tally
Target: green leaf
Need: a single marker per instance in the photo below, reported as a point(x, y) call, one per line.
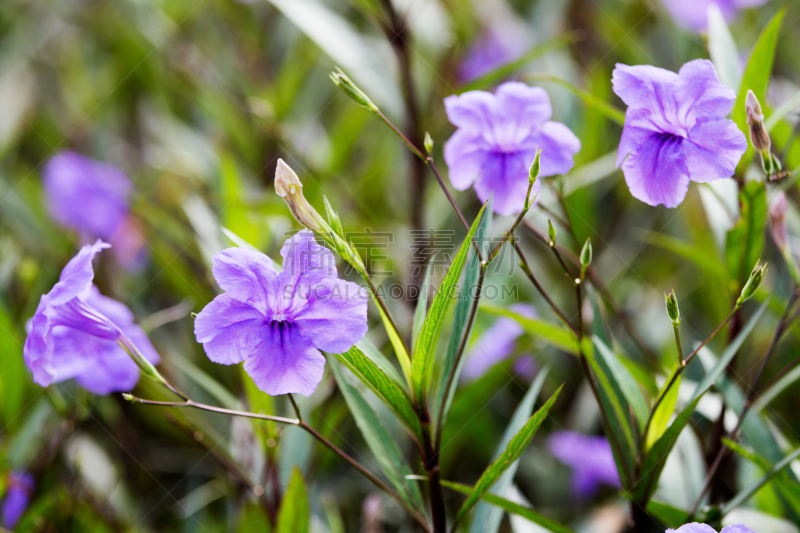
point(727, 356)
point(293, 516)
point(656, 457)
point(756, 77)
point(745, 241)
point(665, 409)
point(771, 393)
point(422, 305)
point(379, 441)
point(460, 329)
point(666, 514)
point(425, 347)
point(371, 352)
point(722, 49)
point(559, 336)
point(512, 452)
point(387, 389)
point(511, 507)
point(496, 75)
point(753, 487)
point(610, 111)
point(206, 382)
point(487, 518)
point(783, 111)
point(397, 344)
point(623, 381)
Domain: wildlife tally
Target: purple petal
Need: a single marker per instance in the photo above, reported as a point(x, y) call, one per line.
point(120, 315)
point(335, 315)
point(77, 276)
point(558, 145)
point(736, 528)
point(20, 488)
point(245, 275)
point(505, 176)
point(495, 344)
point(286, 362)
point(492, 50)
point(700, 93)
point(649, 93)
point(630, 141)
point(472, 110)
point(229, 330)
point(522, 109)
point(465, 154)
point(303, 255)
point(694, 527)
point(656, 173)
point(590, 458)
point(713, 150)
point(693, 14)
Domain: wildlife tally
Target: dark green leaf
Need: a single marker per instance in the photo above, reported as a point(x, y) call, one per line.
point(422, 305)
point(293, 516)
point(512, 452)
point(667, 514)
point(623, 381)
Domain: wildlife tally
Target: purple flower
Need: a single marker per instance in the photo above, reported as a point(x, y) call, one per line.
point(491, 50)
point(277, 323)
point(18, 493)
point(693, 14)
point(589, 457)
point(75, 331)
point(497, 138)
point(675, 130)
point(696, 527)
point(496, 344)
point(91, 198)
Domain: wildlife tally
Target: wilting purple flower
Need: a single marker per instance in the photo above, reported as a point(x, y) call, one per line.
point(92, 199)
point(496, 343)
point(696, 527)
point(675, 130)
point(693, 14)
point(497, 138)
point(75, 331)
point(277, 323)
point(589, 457)
point(491, 50)
point(18, 493)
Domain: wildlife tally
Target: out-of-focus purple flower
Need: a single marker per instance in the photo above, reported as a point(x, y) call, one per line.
point(675, 130)
point(75, 331)
point(777, 215)
point(589, 457)
point(496, 343)
point(697, 527)
point(497, 138)
point(491, 50)
point(277, 323)
point(18, 492)
point(693, 14)
point(92, 199)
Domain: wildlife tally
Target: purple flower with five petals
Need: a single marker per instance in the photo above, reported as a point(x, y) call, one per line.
point(277, 322)
point(589, 457)
point(75, 333)
point(693, 14)
point(497, 138)
point(696, 527)
point(675, 130)
point(92, 199)
point(19, 489)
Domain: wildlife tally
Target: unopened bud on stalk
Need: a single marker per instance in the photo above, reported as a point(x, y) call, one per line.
point(350, 89)
point(428, 143)
point(672, 308)
point(759, 135)
point(533, 173)
point(753, 283)
point(586, 256)
point(288, 187)
point(551, 232)
point(333, 217)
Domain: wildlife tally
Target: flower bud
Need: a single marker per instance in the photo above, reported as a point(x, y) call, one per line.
point(533, 173)
point(672, 307)
point(753, 283)
point(350, 89)
point(428, 143)
point(288, 187)
point(551, 232)
point(755, 118)
point(586, 255)
point(777, 216)
point(333, 217)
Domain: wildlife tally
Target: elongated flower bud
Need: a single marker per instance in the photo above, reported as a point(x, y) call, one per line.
point(755, 118)
point(428, 143)
point(586, 255)
point(672, 307)
point(351, 89)
point(753, 283)
point(288, 187)
point(533, 173)
point(551, 232)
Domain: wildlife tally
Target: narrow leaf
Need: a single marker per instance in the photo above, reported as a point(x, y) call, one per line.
point(745, 241)
point(386, 389)
point(369, 350)
point(293, 516)
point(512, 452)
point(425, 347)
point(512, 507)
point(722, 49)
point(665, 409)
point(380, 441)
point(751, 489)
point(422, 305)
point(487, 518)
point(397, 344)
point(623, 381)
point(559, 336)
